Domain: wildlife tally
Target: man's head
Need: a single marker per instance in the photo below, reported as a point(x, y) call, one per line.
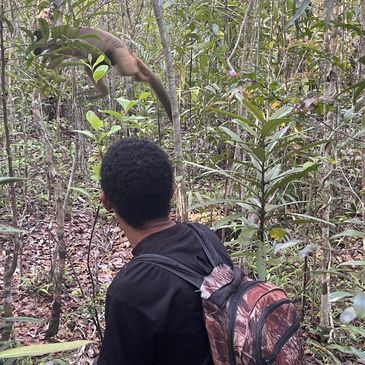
point(137, 181)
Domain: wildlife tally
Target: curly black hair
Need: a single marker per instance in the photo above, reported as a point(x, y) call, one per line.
point(137, 178)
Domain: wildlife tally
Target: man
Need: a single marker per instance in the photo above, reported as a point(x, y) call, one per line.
point(152, 316)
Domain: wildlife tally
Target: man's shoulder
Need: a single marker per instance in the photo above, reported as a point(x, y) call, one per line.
point(136, 278)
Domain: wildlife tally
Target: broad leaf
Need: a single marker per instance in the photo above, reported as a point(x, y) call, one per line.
point(338, 295)
point(359, 305)
point(308, 250)
point(81, 191)
point(10, 230)
point(311, 218)
point(353, 263)
point(8, 179)
point(100, 59)
point(126, 104)
point(234, 136)
point(254, 110)
point(113, 113)
point(348, 315)
point(94, 120)
point(247, 127)
point(23, 319)
point(44, 28)
point(86, 133)
point(281, 246)
point(298, 13)
point(100, 72)
point(277, 233)
point(271, 125)
point(233, 116)
point(42, 349)
point(349, 233)
point(348, 350)
point(281, 112)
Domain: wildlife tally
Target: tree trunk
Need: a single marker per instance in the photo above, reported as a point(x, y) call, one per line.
point(13, 245)
point(361, 77)
point(179, 166)
point(330, 44)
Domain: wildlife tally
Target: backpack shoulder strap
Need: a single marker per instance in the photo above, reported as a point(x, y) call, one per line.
point(209, 250)
point(172, 266)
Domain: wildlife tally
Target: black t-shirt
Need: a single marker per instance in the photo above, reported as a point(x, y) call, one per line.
point(152, 316)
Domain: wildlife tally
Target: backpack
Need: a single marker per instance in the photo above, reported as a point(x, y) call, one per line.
point(249, 322)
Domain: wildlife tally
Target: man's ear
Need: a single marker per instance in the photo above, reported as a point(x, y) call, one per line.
point(106, 203)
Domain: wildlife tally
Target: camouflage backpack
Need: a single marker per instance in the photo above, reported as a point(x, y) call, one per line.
point(248, 322)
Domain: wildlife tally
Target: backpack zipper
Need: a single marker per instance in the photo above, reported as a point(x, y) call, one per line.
point(283, 339)
point(232, 312)
point(260, 325)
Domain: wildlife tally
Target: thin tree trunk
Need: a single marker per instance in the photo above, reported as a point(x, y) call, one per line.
point(361, 74)
point(330, 44)
point(181, 196)
point(13, 246)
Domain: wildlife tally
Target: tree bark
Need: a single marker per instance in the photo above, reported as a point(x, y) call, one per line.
point(361, 74)
point(13, 245)
point(330, 44)
point(179, 166)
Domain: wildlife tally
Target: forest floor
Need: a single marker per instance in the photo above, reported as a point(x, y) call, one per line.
point(103, 256)
point(32, 295)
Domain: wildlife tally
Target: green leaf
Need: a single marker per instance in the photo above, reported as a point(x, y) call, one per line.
point(10, 230)
point(145, 95)
point(8, 23)
point(114, 129)
point(353, 263)
point(254, 110)
point(233, 116)
point(42, 349)
point(100, 72)
point(96, 170)
point(208, 203)
point(271, 125)
point(113, 113)
point(215, 28)
point(338, 295)
point(348, 350)
point(354, 330)
point(310, 218)
point(234, 136)
point(358, 91)
point(23, 319)
point(281, 246)
point(228, 220)
point(277, 233)
point(100, 59)
point(281, 112)
point(94, 120)
point(287, 177)
point(247, 127)
point(44, 28)
point(349, 233)
point(258, 152)
point(126, 104)
point(81, 191)
point(298, 13)
point(348, 315)
point(8, 179)
point(359, 305)
point(308, 250)
point(86, 133)
point(272, 173)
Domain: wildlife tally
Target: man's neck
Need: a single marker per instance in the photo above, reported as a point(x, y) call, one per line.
point(136, 235)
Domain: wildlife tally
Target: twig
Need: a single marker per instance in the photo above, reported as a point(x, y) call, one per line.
point(231, 70)
point(98, 327)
